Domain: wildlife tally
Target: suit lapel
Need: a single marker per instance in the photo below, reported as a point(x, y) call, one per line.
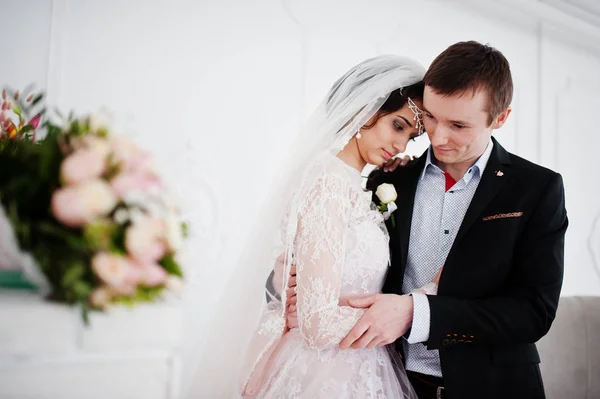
point(406, 199)
point(496, 174)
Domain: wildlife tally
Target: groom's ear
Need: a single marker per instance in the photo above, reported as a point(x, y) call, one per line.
point(501, 119)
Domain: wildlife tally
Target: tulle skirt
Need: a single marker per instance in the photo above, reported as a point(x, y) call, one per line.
point(297, 371)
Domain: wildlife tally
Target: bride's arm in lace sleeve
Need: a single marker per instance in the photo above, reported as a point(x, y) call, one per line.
point(319, 257)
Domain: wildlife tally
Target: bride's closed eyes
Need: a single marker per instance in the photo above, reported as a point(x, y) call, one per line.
point(399, 127)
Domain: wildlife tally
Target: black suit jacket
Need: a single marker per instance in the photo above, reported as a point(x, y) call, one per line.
point(501, 282)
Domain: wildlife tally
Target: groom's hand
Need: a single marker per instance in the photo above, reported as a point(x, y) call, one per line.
point(291, 318)
point(388, 317)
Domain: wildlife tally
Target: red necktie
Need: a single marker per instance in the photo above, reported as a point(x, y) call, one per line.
point(450, 182)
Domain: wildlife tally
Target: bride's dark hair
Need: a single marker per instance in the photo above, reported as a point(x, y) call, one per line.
point(397, 99)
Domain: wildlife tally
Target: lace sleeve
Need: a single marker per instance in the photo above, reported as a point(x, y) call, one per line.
point(320, 249)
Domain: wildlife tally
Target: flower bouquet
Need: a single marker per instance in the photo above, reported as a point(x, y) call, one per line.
point(92, 219)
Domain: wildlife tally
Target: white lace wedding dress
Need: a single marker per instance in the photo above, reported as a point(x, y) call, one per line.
point(341, 251)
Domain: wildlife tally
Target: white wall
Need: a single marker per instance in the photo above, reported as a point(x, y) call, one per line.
point(211, 86)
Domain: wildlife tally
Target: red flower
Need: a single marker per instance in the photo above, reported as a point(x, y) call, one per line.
point(11, 131)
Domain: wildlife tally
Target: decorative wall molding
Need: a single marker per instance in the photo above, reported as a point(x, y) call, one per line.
point(563, 90)
point(573, 154)
point(517, 104)
point(56, 52)
point(288, 8)
point(587, 10)
point(569, 85)
point(593, 244)
point(528, 14)
point(539, 88)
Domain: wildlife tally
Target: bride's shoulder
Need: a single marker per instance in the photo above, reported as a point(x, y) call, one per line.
point(326, 173)
point(330, 166)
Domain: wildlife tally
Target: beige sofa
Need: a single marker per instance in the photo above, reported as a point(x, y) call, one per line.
point(570, 352)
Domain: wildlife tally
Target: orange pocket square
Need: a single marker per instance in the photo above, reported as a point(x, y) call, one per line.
point(503, 216)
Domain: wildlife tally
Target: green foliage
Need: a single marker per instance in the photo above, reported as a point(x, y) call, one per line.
point(104, 235)
point(169, 263)
point(142, 294)
point(30, 175)
point(185, 229)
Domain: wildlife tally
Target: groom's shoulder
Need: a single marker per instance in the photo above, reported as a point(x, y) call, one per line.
point(529, 166)
point(531, 170)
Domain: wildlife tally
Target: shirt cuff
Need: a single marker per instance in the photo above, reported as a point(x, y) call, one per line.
point(421, 319)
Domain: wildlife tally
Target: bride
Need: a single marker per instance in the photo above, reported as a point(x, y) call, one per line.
point(320, 222)
point(339, 245)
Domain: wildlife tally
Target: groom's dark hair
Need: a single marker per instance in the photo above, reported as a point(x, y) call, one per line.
point(471, 66)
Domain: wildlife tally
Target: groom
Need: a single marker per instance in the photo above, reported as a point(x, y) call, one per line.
point(495, 223)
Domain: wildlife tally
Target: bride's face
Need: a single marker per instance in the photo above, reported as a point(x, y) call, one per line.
point(389, 136)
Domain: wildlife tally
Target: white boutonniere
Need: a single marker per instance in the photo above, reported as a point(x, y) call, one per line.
point(387, 195)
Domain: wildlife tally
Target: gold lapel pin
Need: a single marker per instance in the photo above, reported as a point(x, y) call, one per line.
point(499, 173)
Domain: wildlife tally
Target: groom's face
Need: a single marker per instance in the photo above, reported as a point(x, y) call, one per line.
point(457, 125)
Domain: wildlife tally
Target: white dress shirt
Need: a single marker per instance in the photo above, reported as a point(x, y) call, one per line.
point(437, 216)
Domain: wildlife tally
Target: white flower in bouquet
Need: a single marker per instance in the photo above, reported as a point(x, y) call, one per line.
point(98, 123)
point(121, 216)
point(134, 184)
point(175, 284)
point(92, 142)
point(174, 233)
point(129, 155)
point(101, 297)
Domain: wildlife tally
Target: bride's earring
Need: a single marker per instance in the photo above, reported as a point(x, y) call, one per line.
point(358, 135)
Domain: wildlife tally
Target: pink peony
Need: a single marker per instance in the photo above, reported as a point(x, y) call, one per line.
point(112, 269)
point(134, 276)
point(77, 205)
point(153, 275)
point(82, 165)
point(143, 240)
point(129, 156)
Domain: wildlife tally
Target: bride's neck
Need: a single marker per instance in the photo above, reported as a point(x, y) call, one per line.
point(351, 155)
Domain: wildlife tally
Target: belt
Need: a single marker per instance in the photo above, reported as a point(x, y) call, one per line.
point(434, 385)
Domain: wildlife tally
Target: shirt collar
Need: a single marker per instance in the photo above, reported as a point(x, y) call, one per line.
point(478, 166)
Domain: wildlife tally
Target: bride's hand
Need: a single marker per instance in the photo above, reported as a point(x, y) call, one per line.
point(430, 288)
point(393, 163)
